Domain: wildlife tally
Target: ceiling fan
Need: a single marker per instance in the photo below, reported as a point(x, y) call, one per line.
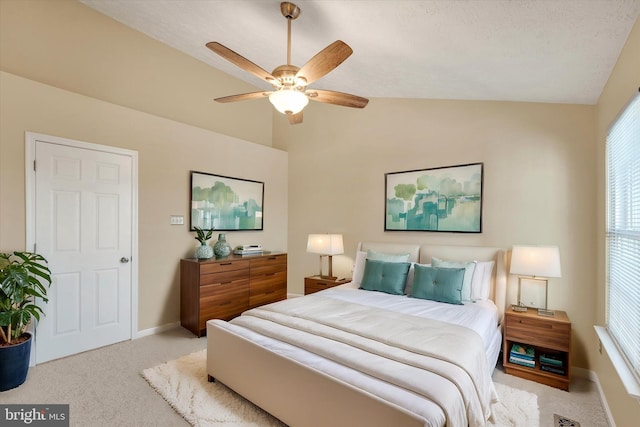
point(290, 94)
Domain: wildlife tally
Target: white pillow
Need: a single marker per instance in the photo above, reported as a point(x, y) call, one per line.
point(481, 281)
point(358, 267)
point(361, 256)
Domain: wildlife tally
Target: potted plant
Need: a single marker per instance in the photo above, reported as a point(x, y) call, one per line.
point(204, 251)
point(24, 276)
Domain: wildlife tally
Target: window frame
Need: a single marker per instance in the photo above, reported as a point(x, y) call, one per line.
point(629, 374)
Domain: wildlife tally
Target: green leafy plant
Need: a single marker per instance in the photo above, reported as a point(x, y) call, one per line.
point(24, 276)
point(202, 237)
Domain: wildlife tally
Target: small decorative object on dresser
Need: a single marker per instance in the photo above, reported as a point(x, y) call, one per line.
point(222, 288)
point(317, 283)
point(221, 248)
point(204, 251)
point(538, 348)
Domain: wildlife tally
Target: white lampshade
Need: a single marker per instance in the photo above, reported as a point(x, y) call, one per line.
point(289, 101)
point(325, 244)
point(536, 261)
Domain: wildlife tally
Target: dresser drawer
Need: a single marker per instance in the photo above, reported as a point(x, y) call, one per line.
point(544, 333)
point(223, 302)
point(268, 282)
point(269, 261)
point(219, 267)
point(266, 297)
point(228, 277)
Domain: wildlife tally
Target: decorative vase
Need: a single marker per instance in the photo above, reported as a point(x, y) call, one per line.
point(221, 248)
point(204, 251)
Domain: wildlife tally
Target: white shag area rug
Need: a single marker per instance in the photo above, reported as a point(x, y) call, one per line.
point(183, 384)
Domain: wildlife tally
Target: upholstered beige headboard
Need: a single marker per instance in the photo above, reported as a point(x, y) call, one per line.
point(423, 254)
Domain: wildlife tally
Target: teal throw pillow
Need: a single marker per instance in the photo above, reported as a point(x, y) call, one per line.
point(469, 267)
point(388, 277)
point(438, 284)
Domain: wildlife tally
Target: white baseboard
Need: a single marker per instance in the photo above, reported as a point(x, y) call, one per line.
point(290, 295)
point(156, 330)
point(592, 376)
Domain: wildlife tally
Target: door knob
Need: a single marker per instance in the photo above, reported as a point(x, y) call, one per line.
point(124, 260)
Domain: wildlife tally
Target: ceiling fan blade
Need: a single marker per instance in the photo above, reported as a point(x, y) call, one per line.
point(337, 98)
point(325, 61)
point(241, 62)
point(295, 119)
point(242, 97)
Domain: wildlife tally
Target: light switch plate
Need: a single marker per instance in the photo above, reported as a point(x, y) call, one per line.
point(177, 220)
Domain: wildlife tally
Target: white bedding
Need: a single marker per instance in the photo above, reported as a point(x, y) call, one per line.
point(481, 317)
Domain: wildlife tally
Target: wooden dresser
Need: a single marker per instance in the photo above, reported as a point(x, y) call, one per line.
point(223, 288)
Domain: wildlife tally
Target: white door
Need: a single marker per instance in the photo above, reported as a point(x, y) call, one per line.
point(84, 221)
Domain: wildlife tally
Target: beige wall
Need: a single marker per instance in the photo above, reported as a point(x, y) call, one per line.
point(167, 152)
point(65, 44)
point(538, 182)
point(70, 72)
point(623, 84)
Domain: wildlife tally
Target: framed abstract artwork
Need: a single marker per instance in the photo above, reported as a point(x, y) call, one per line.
point(447, 199)
point(224, 203)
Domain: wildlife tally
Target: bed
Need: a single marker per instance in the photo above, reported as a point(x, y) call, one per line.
point(351, 357)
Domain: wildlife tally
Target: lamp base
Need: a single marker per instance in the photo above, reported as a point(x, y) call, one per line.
point(518, 308)
point(545, 312)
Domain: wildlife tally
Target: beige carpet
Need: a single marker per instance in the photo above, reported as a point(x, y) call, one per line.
point(183, 384)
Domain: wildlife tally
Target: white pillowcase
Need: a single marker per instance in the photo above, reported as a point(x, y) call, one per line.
point(358, 267)
point(481, 281)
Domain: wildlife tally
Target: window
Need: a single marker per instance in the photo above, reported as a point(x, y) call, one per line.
point(623, 239)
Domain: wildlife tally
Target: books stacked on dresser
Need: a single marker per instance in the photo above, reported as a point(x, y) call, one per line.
point(552, 362)
point(248, 250)
point(523, 355)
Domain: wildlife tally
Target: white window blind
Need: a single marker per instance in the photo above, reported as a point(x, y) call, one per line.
point(623, 234)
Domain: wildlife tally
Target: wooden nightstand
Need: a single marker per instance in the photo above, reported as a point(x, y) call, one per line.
point(550, 338)
point(316, 283)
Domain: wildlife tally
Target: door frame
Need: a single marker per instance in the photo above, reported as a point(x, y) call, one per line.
point(30, 187)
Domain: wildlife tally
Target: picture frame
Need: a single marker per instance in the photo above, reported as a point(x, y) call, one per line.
point(225, 203)
point(441, 199)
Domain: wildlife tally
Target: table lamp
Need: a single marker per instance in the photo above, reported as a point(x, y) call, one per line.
point(535, 264)
point(325, 245)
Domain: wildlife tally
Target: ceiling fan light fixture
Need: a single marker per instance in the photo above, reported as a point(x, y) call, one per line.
point(288, 101)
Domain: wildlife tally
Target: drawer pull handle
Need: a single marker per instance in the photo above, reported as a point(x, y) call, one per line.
point(226, 263)
point(225, 303)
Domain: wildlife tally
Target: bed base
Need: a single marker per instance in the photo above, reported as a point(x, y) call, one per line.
point(301, 396)
point(294, 393)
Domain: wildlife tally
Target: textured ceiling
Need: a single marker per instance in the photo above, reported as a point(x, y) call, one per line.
point(559, 51)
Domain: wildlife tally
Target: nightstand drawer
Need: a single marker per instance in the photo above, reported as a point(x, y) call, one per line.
point(540, 332)
point(315, 284)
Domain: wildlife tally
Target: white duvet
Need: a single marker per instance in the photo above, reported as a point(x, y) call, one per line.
point(434, 369)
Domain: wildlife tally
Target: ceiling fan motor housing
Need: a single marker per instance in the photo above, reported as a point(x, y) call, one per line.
point(286, 75)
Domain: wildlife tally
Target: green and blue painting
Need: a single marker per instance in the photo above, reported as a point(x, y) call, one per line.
point(224, 203)
point(439, 199)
